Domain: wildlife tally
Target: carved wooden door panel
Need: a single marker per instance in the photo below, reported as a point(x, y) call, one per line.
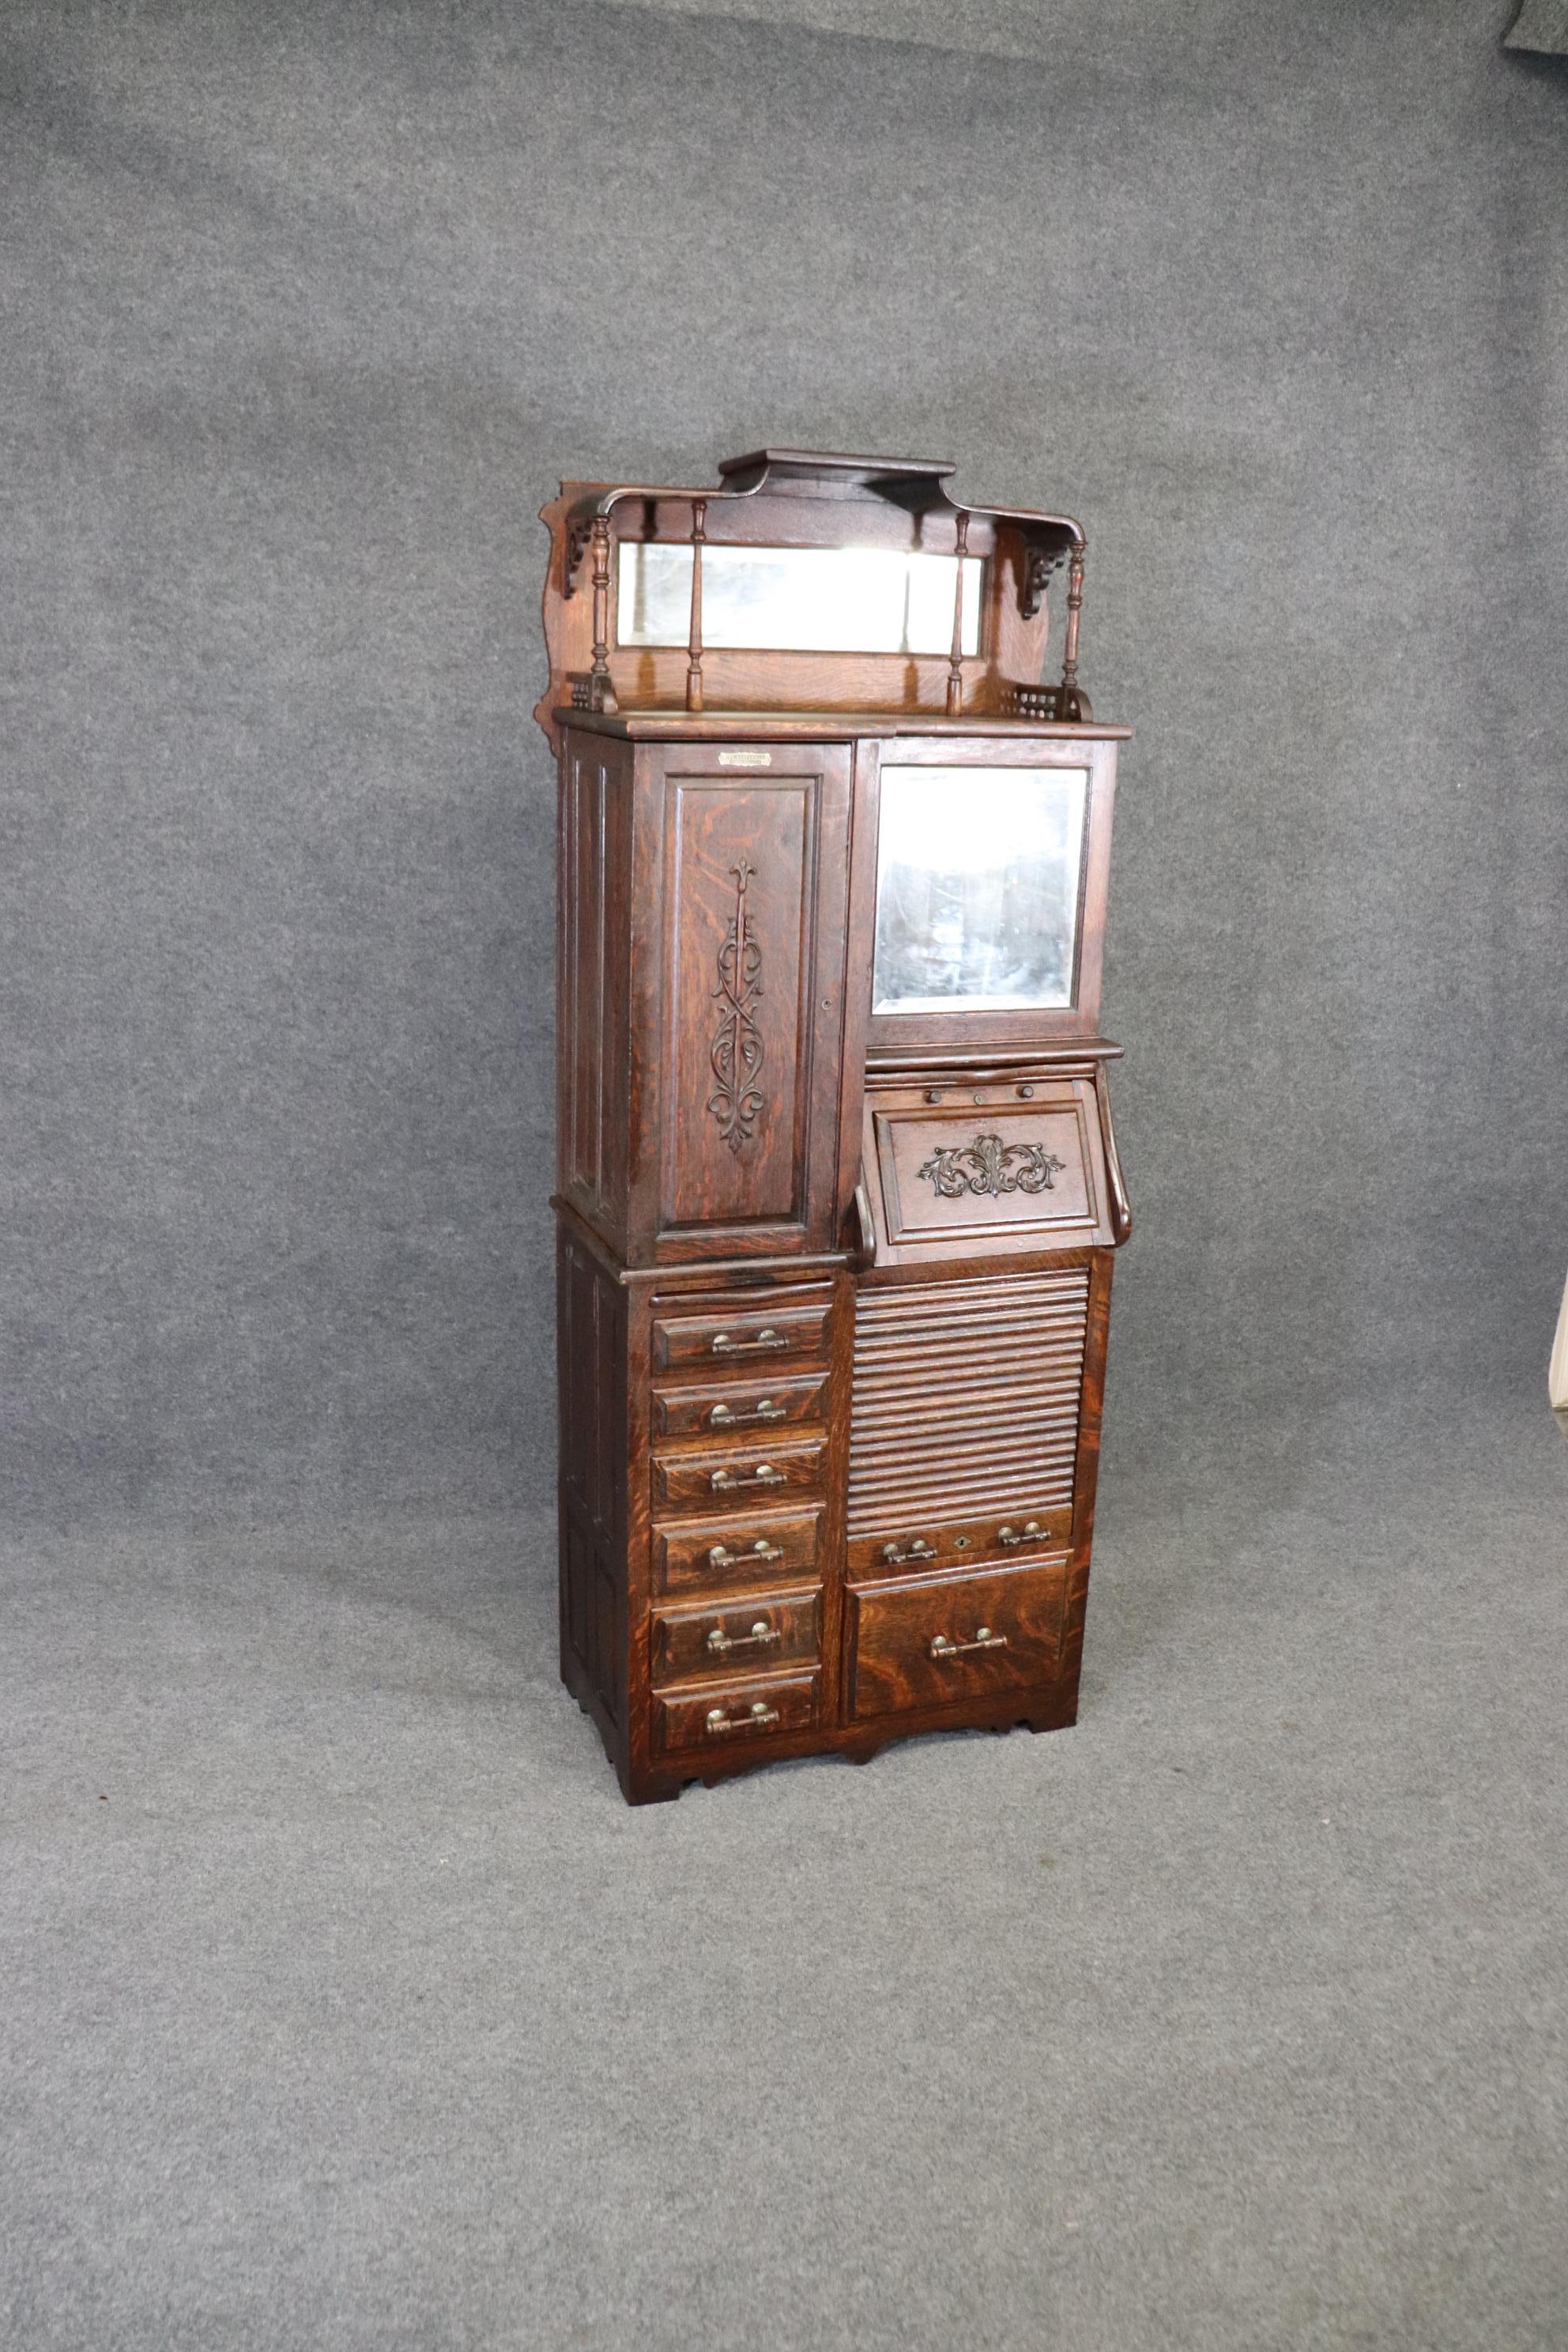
point(955, 1169)
point(740, 888)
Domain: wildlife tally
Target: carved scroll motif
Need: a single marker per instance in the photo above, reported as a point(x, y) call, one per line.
point(578, 535)
point(736, 1053)
point(1035, 568)
point(986, 1165)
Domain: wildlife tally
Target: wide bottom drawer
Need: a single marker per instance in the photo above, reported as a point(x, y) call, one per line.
point(942, 1641)
point(729, 1716)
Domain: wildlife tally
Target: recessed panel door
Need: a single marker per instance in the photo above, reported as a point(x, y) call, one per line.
point(749, 911)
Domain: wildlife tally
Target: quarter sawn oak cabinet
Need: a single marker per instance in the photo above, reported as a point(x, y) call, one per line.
point(837, 1194)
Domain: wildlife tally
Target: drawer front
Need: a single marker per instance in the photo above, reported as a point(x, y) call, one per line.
point(1000, 1176)
point(746, 1476)
point(754, 1404)
point(728, 1338)
point(730, 1717)
point(734, 1551)
point(727, 1637)
point(922, 1547)
point(940, 1641)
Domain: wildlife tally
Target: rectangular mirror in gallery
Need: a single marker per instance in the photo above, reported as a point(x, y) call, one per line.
point(854, 600)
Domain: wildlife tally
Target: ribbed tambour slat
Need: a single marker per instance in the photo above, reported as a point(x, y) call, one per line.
point(966, 1396)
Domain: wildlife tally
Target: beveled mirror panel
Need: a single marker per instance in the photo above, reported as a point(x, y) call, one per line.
point(977, 888)
point(849, 600)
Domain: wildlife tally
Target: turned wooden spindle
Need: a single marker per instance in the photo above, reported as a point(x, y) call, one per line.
point(955, 666)
point(602, 692)
point(694, 662)
point(1070, 647)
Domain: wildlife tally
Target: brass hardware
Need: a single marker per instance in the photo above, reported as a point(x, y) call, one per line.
point(720, 1556)
point(918, 1549)
point(984, 1639)
point(1032, 1533)
point(760, 1716)
point(760, 1634)
point(722, 1416)
point(725, 1480)
point(767, 1337)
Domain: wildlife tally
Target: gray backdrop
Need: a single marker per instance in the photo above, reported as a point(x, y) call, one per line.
point(344, 2004)
point(307, 310)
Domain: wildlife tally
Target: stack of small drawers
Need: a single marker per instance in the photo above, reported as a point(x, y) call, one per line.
point(739, 1468)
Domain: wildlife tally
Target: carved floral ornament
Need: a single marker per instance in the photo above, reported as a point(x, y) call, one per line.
point(990, 1166)
point(736, 1053)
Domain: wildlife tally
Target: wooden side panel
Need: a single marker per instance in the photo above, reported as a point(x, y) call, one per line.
point(1086, 1480)
point(592, 1343)
point(593, 876)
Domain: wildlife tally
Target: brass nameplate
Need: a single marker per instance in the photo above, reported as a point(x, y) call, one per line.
point(745, 759)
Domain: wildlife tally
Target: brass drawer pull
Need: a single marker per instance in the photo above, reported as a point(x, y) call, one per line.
point(984, 1639)
point(724, 1417)
point(725, 1482)
point(918, 1549)
point(720, 1556)
point(760, 1716)
point(760, 1636)
point(1032, 1533)
point(766, 1338)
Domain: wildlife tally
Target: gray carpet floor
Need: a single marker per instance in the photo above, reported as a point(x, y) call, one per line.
point(346, 2004)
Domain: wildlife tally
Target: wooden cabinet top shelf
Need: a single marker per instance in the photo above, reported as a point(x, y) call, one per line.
point(820, 726)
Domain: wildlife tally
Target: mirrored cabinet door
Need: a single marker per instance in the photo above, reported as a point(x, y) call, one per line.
point(978, 873)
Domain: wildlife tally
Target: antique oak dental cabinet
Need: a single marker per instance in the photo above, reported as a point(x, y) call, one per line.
point(838, 1193)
